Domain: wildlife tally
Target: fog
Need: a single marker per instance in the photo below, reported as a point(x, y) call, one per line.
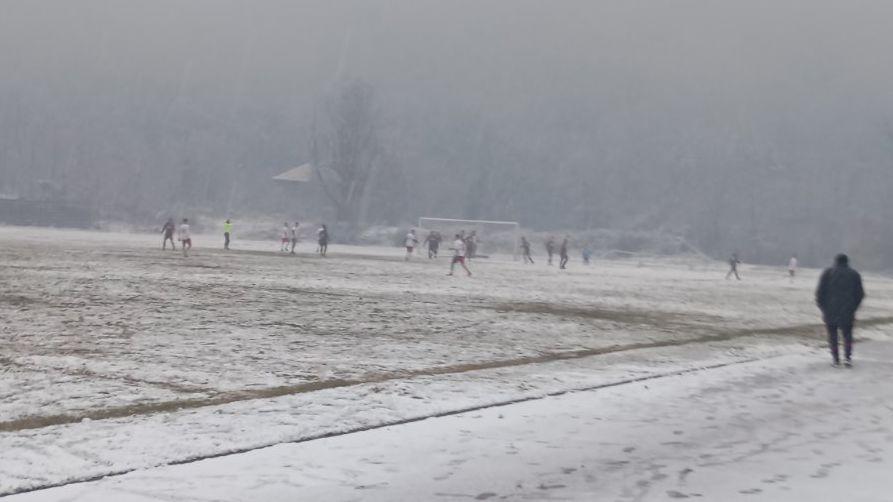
point(758, 126)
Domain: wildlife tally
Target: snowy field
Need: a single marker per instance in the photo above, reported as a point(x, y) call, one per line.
point(119, 357)
point(783, 429)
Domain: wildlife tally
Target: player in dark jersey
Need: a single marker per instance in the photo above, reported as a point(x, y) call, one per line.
point(168, 231)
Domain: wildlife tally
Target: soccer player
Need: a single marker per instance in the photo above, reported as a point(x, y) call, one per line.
point(323, 239)
point(550, 248)
point(285, 238)
point(471, 245)
point(411, 242)
point(587, 255)
point(562, 252)
point(184, 236)
point(525, 250)
point(168, 231)
point(294, 237)
point(227, 233)
point(459, 251)
point(433, 241)
point(733, 267)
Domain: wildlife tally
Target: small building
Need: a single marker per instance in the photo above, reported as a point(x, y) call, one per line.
point(304, 187)
point(304, 173)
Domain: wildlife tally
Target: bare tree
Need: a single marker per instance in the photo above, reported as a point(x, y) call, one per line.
point(347, 151)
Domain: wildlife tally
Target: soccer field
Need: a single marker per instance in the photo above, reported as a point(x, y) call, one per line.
point(118, 356)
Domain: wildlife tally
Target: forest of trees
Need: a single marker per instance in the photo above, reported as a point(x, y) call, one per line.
point(737, 133)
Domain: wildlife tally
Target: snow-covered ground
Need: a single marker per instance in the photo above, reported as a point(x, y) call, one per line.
point(118, 356)
point(789, 428)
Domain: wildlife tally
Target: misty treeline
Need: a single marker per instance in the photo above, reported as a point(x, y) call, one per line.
point(732, 130)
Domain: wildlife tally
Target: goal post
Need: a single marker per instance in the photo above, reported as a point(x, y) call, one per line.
point(493, 236)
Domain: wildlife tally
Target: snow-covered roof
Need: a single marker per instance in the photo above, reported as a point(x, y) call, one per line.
point(301, 174)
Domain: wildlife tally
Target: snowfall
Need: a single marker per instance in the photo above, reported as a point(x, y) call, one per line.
point(135, 374)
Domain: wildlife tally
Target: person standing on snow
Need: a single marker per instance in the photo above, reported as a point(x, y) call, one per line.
point(839, 296)
point(185, 237)
point(792, 267)
point(733, 267)
point(550, 248)
point(322, 236)
point(471, 245)
point(433, 241)
point(284, 238)
point(562, 253)
point(459, 251)
point(227, 233)
point(525, 250)
point(168, 231)
point(294, 237)
point(410, 242)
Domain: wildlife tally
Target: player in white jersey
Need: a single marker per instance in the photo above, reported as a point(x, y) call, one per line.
point(294, 237)
point(459, 250)
point(284, 238)
point(184, 236)
point(792, 266)
point(411, 242)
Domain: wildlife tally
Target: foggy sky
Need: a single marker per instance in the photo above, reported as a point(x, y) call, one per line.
point(606, 97)
point(508, 58)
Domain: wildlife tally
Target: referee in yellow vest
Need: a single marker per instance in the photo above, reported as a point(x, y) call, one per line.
point(227, 232)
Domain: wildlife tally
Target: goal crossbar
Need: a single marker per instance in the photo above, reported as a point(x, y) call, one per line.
point(514, 228)
point(451, 220)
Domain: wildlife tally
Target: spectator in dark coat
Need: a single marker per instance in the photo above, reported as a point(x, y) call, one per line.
point(838, 296)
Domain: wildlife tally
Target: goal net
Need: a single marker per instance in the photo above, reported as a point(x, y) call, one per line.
point(493, 237)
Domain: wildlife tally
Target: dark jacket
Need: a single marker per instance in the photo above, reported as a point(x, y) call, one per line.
point(839, 294)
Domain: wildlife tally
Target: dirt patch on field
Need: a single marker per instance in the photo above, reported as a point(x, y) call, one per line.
point(654, 318)
point(36, 422)
point(19, 300)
